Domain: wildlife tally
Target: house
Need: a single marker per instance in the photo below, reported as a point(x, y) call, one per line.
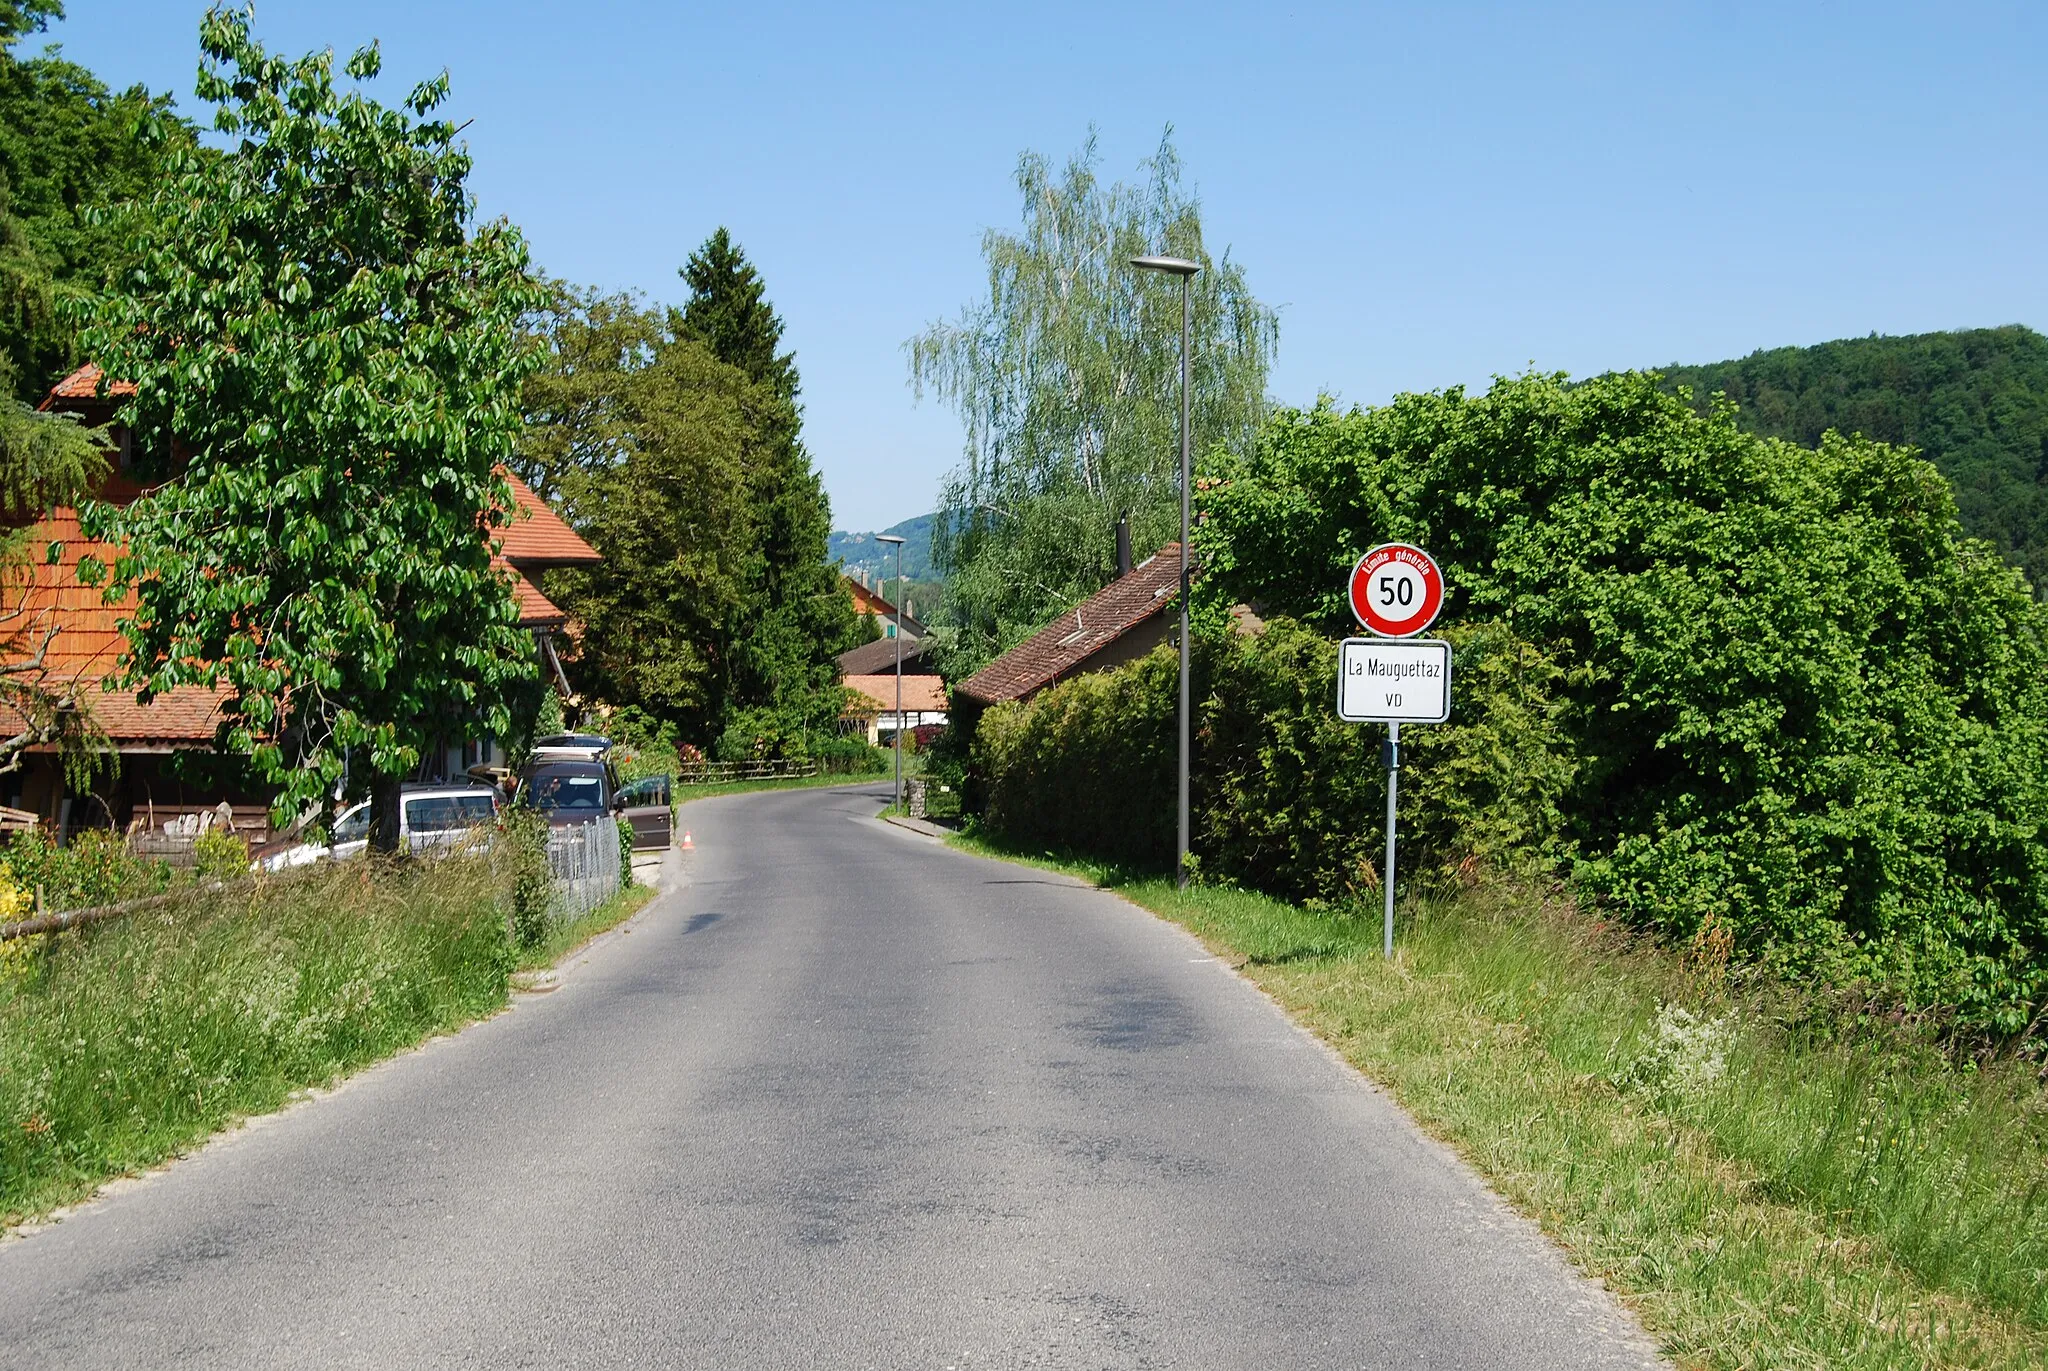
point(924, 702)
point(869, 600)
point(1119, 623)
point(87, 646)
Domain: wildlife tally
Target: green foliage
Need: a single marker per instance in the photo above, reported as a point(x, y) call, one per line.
point(1286, 797)
point(849, 756)
point(1778, 687)
point(1067, 379)
point(670, 440)
point(1087, 766)
point(70, 148)
point(1975, 402)
point(336, 355)
point(219, 854)
point(625, 854)
point(132, 1040)
point(95, 869)
point(532, 882)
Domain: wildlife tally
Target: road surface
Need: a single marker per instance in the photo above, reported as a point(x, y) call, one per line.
point(845, 1099)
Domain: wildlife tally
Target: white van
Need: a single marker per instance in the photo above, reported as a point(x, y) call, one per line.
point(429, 816)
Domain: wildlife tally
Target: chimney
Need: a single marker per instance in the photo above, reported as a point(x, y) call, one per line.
point(1123, 544)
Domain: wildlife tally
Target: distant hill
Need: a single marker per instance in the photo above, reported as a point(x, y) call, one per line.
point(860, 551)
point(1974, 402)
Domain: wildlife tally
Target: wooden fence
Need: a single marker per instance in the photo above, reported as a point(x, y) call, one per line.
point(776, 769)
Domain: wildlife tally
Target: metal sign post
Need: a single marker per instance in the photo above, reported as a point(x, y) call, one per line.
point(1396, 592)
point(1393, 751)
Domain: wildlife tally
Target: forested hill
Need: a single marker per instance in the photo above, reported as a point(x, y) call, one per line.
point(1974, 402)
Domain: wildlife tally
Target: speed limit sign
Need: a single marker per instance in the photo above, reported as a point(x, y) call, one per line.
point(1396, 590)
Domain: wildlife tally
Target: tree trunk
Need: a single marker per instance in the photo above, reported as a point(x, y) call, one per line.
point(384, 801)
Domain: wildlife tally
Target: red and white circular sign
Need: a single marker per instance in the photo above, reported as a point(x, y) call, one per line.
point(1396, 590)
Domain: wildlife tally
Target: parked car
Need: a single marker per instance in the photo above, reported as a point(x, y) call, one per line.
point(576, 792)
point(431, 816)
point(566, 790)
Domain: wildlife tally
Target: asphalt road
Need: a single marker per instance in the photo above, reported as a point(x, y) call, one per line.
point(845, 1099)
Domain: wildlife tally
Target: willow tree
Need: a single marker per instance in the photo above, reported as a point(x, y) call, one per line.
point(1066, 377)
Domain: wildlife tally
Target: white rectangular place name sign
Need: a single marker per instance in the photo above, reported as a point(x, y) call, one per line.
point(1394, 681)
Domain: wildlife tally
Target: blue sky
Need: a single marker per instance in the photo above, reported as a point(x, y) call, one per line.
point(1432, 194)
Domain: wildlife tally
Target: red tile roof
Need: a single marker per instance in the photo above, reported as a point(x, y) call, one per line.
point(1081, 632)
point(84, 384)
point(537, 537)
point(921, 693)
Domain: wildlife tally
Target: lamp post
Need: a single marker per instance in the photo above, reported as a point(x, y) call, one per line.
point(889, 538)
point(1184, 269)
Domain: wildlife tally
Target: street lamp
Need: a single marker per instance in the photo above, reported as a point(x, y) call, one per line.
point(891, 538)
point(1184, 269)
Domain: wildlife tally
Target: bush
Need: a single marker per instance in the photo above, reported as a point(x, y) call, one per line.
point(529, 880)
point(219, 854)
point(1287, 798)
point(1087, 766)
point(96, 869)
point(625, 854)
point(1780, 688)
point(129, 1040)
point(849, 756)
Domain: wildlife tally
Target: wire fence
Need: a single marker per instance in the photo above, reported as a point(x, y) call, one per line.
point(583, 859)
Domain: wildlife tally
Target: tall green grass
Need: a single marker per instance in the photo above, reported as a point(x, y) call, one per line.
point(123, 1043)
point(1771, 1178)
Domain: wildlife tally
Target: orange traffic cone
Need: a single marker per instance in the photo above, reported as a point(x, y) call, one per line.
point(688, 846)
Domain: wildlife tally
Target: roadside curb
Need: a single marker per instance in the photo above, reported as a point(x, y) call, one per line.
point(929, 830)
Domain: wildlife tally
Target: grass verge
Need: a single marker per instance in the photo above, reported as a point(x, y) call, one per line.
point(1769, 1181)
point(125, 1043)
point(566, 938)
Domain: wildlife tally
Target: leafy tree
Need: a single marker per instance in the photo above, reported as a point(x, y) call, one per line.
point(328, 365)
point(1791, 694)
point(1067, 378)
point(1975, 402)
point(69, 148)
point(577, 400)
point(668, 506)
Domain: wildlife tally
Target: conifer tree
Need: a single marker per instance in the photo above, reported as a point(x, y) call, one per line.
point(782, 674)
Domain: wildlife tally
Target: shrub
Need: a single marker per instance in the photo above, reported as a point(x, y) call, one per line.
point(96, 869)
point(529, 879)
point(1086, 766)
point(219, 854)
point(625, 854)
point(849, 756)
point(1783, 690)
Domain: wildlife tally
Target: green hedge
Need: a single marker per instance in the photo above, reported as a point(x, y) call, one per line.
point(1714, 677)
point(1286, 797)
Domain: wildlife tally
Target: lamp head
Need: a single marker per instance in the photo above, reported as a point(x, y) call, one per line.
point(887, 538)
point(1172, 266)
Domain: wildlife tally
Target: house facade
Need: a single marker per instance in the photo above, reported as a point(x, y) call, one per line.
point(83, 644)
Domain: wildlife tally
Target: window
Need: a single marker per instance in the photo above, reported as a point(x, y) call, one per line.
point(651, 791)
point(554, 791)
point(353, 826)
point(440, 813)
